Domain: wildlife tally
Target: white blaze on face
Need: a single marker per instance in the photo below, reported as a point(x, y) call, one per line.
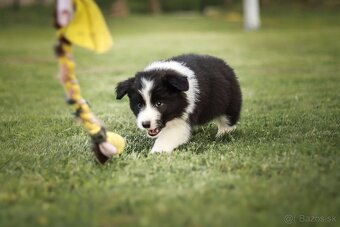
point(148, 112)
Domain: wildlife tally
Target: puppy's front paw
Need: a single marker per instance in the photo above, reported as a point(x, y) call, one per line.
point(160, 150)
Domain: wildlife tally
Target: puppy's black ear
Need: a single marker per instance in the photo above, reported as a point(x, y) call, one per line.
point(177, 81)
point(123, 87)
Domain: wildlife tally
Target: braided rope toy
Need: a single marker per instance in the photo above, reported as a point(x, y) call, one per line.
point(105, 144)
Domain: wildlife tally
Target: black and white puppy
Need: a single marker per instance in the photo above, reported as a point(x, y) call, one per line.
point(169, 97)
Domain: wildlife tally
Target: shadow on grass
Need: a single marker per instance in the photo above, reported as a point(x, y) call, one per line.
point(203, 139)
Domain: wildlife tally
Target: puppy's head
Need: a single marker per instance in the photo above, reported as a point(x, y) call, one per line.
point(156, 97)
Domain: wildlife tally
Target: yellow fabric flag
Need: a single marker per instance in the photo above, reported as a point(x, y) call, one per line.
point(88, 28)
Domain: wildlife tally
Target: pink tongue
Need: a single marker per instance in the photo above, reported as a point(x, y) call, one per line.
point(154, 131)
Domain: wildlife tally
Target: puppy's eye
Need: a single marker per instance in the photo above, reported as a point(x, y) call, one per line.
point(140, 105)
point(158, 104)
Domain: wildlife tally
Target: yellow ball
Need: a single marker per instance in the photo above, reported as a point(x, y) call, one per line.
point(116, 140)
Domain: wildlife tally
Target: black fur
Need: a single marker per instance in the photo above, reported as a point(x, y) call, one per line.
point(220, 91)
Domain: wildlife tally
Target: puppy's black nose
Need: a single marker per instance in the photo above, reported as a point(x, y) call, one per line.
point(146, 124)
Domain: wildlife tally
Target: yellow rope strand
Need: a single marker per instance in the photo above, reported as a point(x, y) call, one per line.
point(72, 90)
point(105, 143)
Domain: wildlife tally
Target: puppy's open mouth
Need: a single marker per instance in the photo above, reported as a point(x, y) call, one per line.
point(154, 132)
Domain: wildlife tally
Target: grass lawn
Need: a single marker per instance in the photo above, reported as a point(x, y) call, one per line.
point(282, 160)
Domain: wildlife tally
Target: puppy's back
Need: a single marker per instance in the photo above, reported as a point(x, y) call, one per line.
point(219, 90)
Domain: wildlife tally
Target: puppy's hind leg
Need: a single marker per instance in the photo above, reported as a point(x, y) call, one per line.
point(176, 133)
point(224, 126)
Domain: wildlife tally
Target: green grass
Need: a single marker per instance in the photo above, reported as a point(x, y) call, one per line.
point(282, 160)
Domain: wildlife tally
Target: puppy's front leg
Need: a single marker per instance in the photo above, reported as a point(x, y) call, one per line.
point(176, 133)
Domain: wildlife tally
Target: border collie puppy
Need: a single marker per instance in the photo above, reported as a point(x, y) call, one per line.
point(169, 97)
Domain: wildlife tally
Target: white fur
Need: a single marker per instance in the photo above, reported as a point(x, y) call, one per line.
point(223, 126)
point(176, 133)
point(149, 112)
point(193, 92)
